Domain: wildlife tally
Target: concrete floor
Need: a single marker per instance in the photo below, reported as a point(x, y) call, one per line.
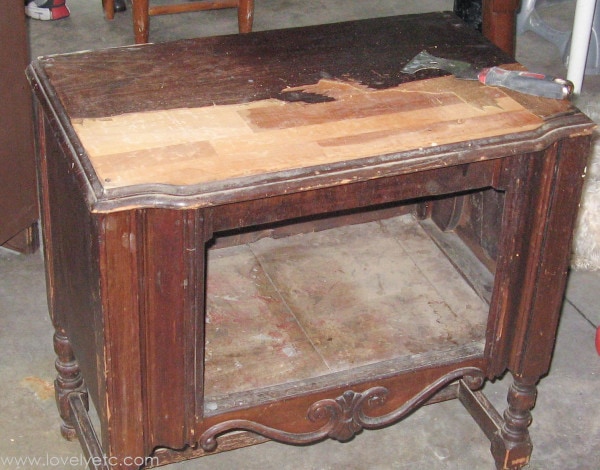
point(566, 424)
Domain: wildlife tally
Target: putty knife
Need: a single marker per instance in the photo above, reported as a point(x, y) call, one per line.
point(525, 82)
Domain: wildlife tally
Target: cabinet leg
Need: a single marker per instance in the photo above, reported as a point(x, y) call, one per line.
point(68, 380)
point(511, 447)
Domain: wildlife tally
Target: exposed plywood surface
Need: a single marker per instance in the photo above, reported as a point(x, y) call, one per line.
point(216, 143)
point(307, 305)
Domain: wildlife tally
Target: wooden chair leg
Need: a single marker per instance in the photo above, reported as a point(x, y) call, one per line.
point(141, 17)
point(499, 23)
point(245, 15)
point(141, 21)
point(109, 9)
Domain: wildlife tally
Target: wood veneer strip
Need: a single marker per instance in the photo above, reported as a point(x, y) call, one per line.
point(191, 146)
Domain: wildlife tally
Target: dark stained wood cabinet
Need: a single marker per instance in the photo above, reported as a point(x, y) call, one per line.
point(281, 236)
point(18, 200)
point(18, 195)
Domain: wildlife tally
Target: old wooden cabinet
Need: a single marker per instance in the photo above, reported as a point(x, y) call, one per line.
point(202, 200)
point(18, 196)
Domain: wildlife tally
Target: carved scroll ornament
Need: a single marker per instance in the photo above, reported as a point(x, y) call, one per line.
point(346, 415)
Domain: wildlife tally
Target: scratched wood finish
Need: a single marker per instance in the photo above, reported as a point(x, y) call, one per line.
point(126, 258)
point(237, 69)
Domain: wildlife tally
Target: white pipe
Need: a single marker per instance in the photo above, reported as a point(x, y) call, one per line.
point(580, 41)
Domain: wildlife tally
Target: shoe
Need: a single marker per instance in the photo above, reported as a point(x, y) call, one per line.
point(120, 5)
point(47, 10)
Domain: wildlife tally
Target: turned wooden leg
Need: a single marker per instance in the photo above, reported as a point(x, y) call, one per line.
point(68, 380)
point(245, 16)
point(512, 447)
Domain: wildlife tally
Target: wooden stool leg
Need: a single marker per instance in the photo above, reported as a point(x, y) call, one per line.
point(512, 446)
point(499, 23)
point(109, 9)
point(69, 380)
point(245, 15)
point(141, 21)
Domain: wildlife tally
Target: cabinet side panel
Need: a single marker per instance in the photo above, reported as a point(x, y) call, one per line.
point(70, 251)
point(565, 182)
point(516, 241)
point(543, 191)
point(121, 302)
point(173, 266)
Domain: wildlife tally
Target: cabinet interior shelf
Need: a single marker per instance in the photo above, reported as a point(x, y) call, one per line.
point(312, 310)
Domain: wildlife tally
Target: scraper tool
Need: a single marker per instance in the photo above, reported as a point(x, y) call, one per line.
point(525, 82)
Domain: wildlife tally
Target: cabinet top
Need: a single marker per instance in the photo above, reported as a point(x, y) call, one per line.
point(302, 107)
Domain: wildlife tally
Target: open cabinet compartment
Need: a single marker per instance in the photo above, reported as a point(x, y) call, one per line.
point(290, 315)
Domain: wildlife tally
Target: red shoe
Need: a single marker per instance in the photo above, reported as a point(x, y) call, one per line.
point(46, 10)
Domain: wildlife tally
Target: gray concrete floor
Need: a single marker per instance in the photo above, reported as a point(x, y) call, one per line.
point(566, 424)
